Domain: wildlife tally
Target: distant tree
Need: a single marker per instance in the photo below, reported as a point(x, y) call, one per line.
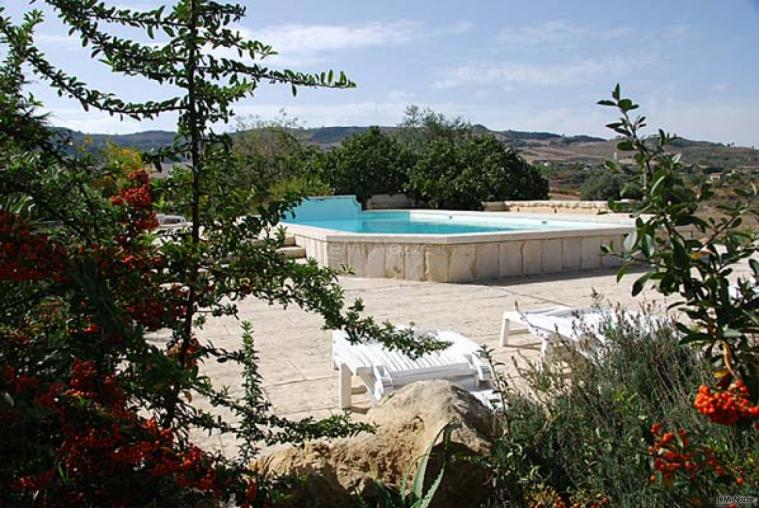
point(269, 151)
point(118, 163)
point(422, 126)
point(365, 164)
point(463, 175)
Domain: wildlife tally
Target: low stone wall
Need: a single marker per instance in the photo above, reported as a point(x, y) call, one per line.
point(512, 256)
point(389, 202)
point(579, 207)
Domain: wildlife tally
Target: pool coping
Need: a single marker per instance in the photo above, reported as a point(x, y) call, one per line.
point(609, 225)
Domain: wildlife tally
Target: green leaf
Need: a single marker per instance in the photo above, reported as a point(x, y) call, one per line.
point(640, 283)
point(418, 485)
point(626, 145)
point(625, 105)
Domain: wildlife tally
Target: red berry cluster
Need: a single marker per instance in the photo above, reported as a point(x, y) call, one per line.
point(727, 407)
point(670, 455)
point(137, 198)
point(673, 453)
point(27, 256)
point(104, 441)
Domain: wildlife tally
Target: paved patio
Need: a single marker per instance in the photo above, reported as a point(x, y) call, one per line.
point(295, 352)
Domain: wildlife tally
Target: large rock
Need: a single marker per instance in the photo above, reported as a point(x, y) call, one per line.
point(407, 422)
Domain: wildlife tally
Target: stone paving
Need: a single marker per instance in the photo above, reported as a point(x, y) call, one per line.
point(295, 352)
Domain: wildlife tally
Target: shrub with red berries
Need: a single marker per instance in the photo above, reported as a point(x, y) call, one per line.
point(677, 456)
point(101, 354)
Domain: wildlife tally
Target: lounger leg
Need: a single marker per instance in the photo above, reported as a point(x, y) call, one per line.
point(505, 325)
point(344, 387)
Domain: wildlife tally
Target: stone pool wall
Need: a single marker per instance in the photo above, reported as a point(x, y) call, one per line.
point(454, 259)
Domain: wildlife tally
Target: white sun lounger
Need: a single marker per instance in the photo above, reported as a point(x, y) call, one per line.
point(383, 371)
point(576, 327)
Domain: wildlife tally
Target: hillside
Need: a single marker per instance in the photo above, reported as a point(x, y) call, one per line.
point(555, 149)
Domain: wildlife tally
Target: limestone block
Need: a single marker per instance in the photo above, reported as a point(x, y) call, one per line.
point(436, 263)
point(336, 256)
point(394, 264)
point(532, 257)
point(461, 263)
point(413, 262)
point(591, 252)
point(486, 261)
point(510, 259)
point(551, 250)
point(356, 255)
point(571, 253)
point(375, 260)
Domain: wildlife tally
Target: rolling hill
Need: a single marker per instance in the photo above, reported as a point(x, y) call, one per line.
point(541, 147)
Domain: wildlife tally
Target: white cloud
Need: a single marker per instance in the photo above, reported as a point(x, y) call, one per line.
point(308, 44)
point(298, 38)
point(556, 32)
point(98, 122)
point(400, 95)
point(302, 45)
point(510, 74)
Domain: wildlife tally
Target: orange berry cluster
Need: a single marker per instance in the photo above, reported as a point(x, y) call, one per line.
point(727, 407)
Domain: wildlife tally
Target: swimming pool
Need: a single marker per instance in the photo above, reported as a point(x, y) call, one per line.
point(450, 246)
point(420, 222)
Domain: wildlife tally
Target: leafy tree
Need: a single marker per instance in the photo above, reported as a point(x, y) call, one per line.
point(119, 163)
point(365, 164)
point(93, 413)
point(273, 157)
point(422, 126)
point(463, 175)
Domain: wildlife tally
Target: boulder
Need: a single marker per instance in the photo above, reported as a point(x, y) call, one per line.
point(407, 421)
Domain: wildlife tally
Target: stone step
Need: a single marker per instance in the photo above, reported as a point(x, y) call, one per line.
point(290, 241)
point(293, 252)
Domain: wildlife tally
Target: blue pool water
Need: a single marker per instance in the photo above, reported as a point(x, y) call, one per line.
point(431, 224)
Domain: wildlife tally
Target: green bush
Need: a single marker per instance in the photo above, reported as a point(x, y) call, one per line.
point(365, 164)
point(481, 168)
point(270, 157)
point(602, 186)
point(302, 186)
point(583, 436)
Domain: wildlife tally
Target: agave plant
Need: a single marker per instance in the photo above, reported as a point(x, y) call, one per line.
point(412, 494)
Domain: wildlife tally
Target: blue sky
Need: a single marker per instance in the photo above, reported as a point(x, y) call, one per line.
point(509, 64)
